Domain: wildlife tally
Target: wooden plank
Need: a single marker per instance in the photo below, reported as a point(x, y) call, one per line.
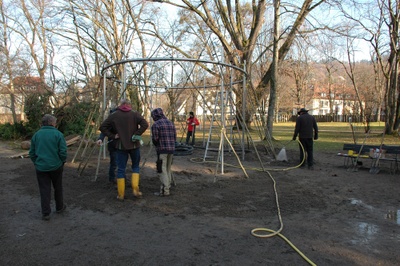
point(73, 140)
point(25, 154)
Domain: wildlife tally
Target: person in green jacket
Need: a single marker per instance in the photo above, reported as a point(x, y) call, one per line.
point(48, 152)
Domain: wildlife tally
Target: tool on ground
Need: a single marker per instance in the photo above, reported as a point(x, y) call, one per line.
point(173, 183)
point(355, 162)
point(375, 164)
point(352, 131)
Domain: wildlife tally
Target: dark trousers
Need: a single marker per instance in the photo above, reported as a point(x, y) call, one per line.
point(190, 134)
point(45, 180)
point(308, 151)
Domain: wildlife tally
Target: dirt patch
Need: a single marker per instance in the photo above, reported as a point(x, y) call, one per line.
point(333, 216)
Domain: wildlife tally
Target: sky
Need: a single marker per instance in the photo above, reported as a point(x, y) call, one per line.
point(330, 15)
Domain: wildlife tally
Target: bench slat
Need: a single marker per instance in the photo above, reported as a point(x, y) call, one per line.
point(366, 148)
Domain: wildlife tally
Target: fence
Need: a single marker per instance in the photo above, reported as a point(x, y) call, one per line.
point(329, 118)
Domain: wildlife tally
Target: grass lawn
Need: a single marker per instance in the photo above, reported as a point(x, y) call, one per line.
point(332, 135)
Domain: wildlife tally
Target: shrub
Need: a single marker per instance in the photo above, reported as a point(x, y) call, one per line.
point(12, 131)
point(36, 106)
point(72, 119)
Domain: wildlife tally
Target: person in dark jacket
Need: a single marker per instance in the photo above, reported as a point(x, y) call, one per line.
point(163, 136)
point(307, 129)
point(126, 127)
point(112, 151)
point(48, 152)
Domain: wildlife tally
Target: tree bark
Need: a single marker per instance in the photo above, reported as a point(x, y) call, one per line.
point(274, 68)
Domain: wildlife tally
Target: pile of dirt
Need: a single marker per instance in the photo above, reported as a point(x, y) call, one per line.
point(333, 216)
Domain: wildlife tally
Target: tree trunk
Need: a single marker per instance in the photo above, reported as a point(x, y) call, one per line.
point(274, 77)
point(392, 84)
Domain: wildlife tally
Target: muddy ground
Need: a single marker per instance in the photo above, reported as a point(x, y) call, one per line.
point(332, 215)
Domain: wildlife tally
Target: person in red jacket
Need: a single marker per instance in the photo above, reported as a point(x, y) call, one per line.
point(192, 122)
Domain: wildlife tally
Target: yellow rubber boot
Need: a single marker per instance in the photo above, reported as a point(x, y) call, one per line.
point(135, 185)
point(121, 188)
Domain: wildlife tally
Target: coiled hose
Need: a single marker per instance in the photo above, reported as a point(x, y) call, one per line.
point(182, 149)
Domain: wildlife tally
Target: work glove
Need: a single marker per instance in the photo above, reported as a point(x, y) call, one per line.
point(137, 138)
point(315, 137)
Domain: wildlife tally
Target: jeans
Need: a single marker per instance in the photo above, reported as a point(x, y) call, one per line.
point(113, 165)
point(45, 180)
point(122, 160)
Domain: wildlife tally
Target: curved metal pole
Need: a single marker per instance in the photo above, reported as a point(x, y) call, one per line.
point(123, 89)
point(196, 61)
point(223, 131)
point(223, 124)
point(104, 105)
point(244, 100)
point(204, 108)
point(169, 59)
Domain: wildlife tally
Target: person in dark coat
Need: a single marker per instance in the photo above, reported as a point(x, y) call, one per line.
point(163, 136)
point(307, 129)
point(126, 127)
point(48, 152)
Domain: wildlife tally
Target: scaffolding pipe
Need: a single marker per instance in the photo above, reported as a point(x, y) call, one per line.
point(244, 99)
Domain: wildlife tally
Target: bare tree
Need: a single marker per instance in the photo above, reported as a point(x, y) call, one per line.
point(237, 27)
point(13, 65)
point(301, 70)
point(379, 86)
point(274, 66)
point(100, 32)
point(31, 25)
point(328, 49)
point(350, 68)
point(380, 25)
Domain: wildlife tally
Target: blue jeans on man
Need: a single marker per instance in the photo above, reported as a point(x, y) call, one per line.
point(122, 160)
point(113, 166)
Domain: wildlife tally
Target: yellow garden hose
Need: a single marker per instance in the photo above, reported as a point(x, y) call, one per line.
point(265, 232)
point(201, 160)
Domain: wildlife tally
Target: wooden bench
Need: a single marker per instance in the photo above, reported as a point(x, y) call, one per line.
point(356, 153)
point(392, 155)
